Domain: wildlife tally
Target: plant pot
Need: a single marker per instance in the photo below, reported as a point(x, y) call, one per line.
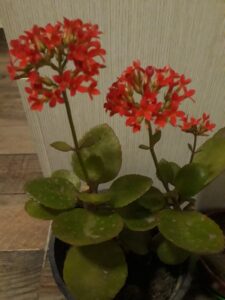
point(212, 268)
point(180, 277)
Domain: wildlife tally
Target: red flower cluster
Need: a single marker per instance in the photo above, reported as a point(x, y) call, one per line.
point(197, 126)
point(160, 91)
point(54, 46)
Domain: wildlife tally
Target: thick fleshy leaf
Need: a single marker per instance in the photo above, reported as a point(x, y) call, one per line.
point(128, 188)
point(170, 254)
point(137, 218)
point(101, 153)
point(211, 155)
point(80, 227)
point(152, 200)
point(70, 176)
point(95, 198)
point(191, 231)
point(36, 210)
point(191, 179)
point(167, 171)
point(135, 241)
point(95, 272)
point(61, 146)
point(56, 193)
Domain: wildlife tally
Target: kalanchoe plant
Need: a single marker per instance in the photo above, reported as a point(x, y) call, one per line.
point(103, 225)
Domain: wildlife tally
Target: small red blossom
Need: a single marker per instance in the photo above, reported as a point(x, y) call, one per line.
point(53, 46)
point(149, 94)
point(198, 126)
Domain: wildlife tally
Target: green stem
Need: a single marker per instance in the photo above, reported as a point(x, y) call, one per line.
point(156, 163)
point(154, 157)
point(193, 148)
point(74, 135)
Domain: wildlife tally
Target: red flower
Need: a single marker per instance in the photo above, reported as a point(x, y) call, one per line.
point(148, 94)
point(197, 126)
point(53, 46)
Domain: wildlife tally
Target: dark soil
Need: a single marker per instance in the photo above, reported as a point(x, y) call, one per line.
point(148, 278)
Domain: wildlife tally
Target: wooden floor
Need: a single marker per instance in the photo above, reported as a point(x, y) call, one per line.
point(24, 270)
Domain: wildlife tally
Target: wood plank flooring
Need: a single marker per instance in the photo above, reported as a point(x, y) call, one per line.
point(23, 274)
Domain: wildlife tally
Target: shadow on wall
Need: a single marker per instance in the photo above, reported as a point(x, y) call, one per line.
point(213, 196)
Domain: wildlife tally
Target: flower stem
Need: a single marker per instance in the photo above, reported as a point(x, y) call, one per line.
point(154, 157)
point(193, 148)
point(74, 135)
point(156, 163)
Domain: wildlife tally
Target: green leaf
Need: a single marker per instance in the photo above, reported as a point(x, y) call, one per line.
point(170, 254)
point(152, 200)
point(80, 227)
point(144, 147)
point(36, 210)
point(70, 176)
point(56, 193)
point(95, 198)
point(101, 153)
point(211, 155)
point(190, 179)
point(128, 188)
point(61, 146)
point(167, 171)
point(191, 231)
point(137, 218)
point(156, 137)
point(135, 241)
point(95, 272)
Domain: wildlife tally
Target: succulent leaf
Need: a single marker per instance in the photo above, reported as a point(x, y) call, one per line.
point(97, 271)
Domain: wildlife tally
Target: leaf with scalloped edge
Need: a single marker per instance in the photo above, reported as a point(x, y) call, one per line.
point(211, 155)
point(81, 227)
point(126, 189)
point(56, 193)
point(191, 231)
point(36, 210)
point(102, 155)
point(95, 272)
point(191, 179)
point(137, 218)
point(70, 176)
point(153, 200)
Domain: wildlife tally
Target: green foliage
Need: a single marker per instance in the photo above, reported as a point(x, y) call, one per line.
point(95, 272)
point(135, 241)
point(81, 227)
point(211, 155)
point(95, 198)
point(101, 152)
point(70, 176)
point(156, 137)
point(36, 210)
point(54, 192)
point(167, 171)
point(137, 218)
point(191, 179)
point(61, 146)
point(128, 188)
point(191, 231)
point(152, 200)
point(144, 147)
point(170, 254)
